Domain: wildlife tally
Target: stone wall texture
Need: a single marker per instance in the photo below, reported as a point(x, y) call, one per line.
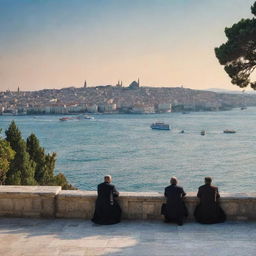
point(28, 201)
point(51, 201)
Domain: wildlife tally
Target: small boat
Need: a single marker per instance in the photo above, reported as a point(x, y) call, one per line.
point(160, 126)
point(182, 131)
point(229, 131)
point(87, 117)
point(243, 108)
point(202, 132)
point(65, 118)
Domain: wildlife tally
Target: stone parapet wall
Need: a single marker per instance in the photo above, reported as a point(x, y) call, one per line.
point(28, 201)
point(75, 204)
point(45, 201)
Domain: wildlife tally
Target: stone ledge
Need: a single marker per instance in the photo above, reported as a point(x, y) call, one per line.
point(38, 190)
point(28, 201)
point(51, 201)
point(147, 205)
point(153, 195)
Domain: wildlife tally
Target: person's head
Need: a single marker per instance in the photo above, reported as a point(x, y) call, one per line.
point(107, 178)
point(174, 181)
point(208, 180)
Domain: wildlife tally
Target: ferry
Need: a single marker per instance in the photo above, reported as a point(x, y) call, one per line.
point(202, 132)
point(160, 126)
point(229, 131)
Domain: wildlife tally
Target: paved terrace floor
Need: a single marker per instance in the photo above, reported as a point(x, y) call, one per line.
point(40, 237)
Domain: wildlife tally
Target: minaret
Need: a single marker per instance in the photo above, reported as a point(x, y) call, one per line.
point(121, 83)
point(138, 82)
point(18, 90)
point(85, 84)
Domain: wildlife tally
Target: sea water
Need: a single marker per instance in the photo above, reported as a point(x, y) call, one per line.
point(142, 159)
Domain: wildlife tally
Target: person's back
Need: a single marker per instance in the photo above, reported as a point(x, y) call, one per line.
point(208, 194)
point(104, 190)
point(175, 208)
point(107, 209)
point(174, 194)
point(208, 210)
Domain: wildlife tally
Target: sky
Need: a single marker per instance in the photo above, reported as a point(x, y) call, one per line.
point(166, 43)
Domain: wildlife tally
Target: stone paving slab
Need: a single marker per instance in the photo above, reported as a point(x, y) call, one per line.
point(58, 237)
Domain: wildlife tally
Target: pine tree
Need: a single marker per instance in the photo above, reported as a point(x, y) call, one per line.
point(238, 54)
point(22, 169)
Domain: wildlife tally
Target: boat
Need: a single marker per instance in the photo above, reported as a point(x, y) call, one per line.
point(160, 126)
point(87, 117)
point(229, 131)
point(243, 108)
point(65, 118)
point(202, 132)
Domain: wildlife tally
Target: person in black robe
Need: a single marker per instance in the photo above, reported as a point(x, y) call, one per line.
point(175, 210)
point(208, 210)
point(107, 210)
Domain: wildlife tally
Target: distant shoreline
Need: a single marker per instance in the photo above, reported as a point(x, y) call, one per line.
point(118, 113)
point(116, 99)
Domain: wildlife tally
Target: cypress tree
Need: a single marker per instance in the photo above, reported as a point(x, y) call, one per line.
point(37, 155)
point(13, 135)
point(31, 165)
point(45, 163)
point(6, 155)
point(50, 160)
point(22, 169)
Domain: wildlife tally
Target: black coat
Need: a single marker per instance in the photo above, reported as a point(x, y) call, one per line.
point(175, 207)
point(208, 210)
point(107, 210)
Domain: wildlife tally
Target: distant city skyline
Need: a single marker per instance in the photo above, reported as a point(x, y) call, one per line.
point(57, 44)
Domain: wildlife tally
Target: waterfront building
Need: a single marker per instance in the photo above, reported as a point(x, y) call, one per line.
point(142, 109)
point(75, 108)
point(92, 108)
point(107, 107)
point(110, 107)
point(164, 107)
point(47, 109)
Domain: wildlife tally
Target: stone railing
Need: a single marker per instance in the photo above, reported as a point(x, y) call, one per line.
point(45, 201)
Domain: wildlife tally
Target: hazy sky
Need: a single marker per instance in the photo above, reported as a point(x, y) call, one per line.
point(60, 43)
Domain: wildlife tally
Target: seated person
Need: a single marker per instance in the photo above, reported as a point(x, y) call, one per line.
point(107, 210)
point(175, 210)
point(208, 210)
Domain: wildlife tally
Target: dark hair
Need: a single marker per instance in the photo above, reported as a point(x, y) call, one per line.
point(208, 180)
